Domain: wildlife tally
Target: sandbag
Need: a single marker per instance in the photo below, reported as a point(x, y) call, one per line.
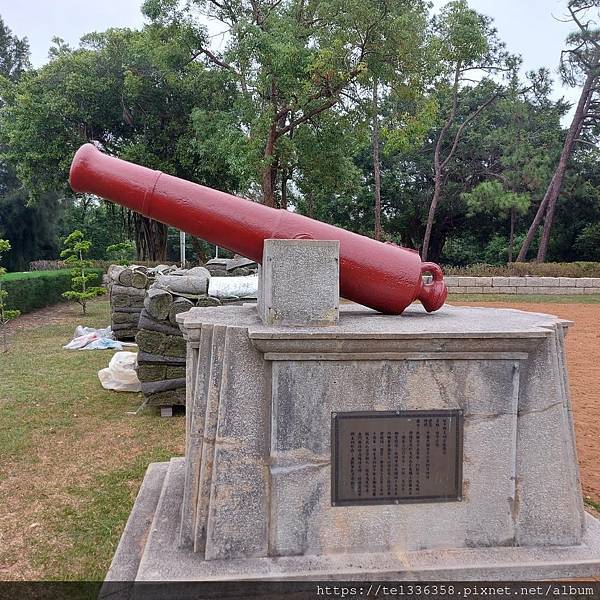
point(184, 284)
point(120, 375)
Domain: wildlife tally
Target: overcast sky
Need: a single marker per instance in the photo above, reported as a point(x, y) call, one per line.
point(528, 27)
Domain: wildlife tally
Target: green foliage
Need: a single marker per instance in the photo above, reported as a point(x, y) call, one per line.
point(573, 269)
point(588, 241)
point(30, 230)
point(467, 249)
point(491, 197)
point(102, 223)
point(76, 247)
point(295, 65)
point(462, 33)
point(302, 73)
point(14, 54)
point(6, 314)
point(133, 93)
point(122, 253)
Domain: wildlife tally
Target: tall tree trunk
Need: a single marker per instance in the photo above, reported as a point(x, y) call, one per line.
point(269, 170)
point(376, 165)
point(511, 239)
point(284, 180)
point(438, 165)
point(548, 203)
point(572, 135)
point(150, 239)
point(310, 205)
point(437, 192)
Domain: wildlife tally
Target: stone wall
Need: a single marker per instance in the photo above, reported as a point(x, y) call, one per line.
point(127, 287)
point(523, 285)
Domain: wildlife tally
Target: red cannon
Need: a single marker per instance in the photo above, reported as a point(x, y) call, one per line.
point(383, 276)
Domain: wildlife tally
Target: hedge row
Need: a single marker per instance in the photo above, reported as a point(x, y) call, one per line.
point(28, 291)
point(574, 269)
point(54, 265)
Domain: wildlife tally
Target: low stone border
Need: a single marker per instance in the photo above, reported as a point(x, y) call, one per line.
point(523, 285)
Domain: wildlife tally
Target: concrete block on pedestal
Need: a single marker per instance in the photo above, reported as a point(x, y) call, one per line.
point(299, 283)
point(252, 499)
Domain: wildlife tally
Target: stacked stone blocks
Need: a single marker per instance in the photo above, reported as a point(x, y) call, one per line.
point(161, 363)
point(523, 285)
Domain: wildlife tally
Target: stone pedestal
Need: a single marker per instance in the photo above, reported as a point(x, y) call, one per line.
point(255, 495)
point(252, 497)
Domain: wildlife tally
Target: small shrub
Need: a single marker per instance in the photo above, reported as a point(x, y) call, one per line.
point(6, 314)
point(121, 254)
point(76, 247)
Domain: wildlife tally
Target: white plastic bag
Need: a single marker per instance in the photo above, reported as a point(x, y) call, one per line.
point(88, 338)
point(233, 287)
point(120, 375)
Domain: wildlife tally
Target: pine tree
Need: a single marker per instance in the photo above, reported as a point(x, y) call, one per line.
point(76, 247)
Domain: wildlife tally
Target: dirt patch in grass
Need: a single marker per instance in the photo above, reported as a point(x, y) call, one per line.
point(583, 358)
point(65, 312)
point(73, 453)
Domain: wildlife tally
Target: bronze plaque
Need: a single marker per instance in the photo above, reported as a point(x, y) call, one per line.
point(382, 457)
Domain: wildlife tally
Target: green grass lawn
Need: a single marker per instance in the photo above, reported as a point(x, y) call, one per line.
point(20, 275)
point(73, 454)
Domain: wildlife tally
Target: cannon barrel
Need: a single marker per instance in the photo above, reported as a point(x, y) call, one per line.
point(383, 276)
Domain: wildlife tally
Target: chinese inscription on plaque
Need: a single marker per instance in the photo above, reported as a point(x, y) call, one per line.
point(396, 457)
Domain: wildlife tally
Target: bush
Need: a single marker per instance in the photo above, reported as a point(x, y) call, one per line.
point(47, 265)
point(574, 269)
point(28, 291)
point(55, 265)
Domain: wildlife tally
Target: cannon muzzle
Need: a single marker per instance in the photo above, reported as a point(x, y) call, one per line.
point(383, 276)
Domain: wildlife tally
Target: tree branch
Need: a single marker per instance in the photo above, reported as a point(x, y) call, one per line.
point(592, 144)
point(307, 116)
point(584, 28)
point(215, 59)
point(470, 118)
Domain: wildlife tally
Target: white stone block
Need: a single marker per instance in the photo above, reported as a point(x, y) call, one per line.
point(517, 281)
point(467, 281)
point(500, 281)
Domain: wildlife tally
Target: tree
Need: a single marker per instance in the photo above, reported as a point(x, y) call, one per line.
point(5, 314)
point(18, 220)
point(513, 142)
point(397, 69)
point(76, 248)
point(491, 197)
point(14, 54)
point(580, 65)
point(292, 61)
point(122, 253)
point(466, 43)
point(515, 152)
point(132, 93)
